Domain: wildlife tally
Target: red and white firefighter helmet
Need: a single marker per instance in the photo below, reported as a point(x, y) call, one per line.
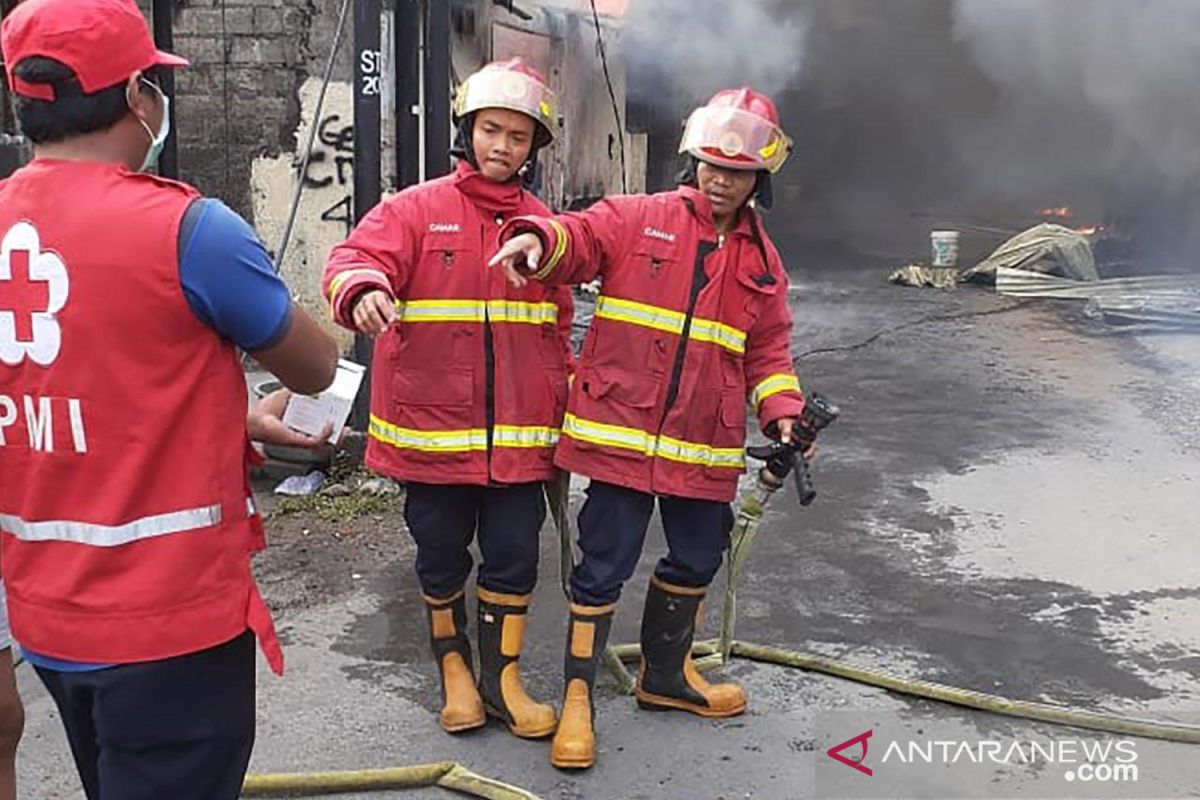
point(738, 129)
point(514, 85)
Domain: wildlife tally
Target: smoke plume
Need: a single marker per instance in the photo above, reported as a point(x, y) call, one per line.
point(1136, 64)
point(911, 115)
point(683, 51)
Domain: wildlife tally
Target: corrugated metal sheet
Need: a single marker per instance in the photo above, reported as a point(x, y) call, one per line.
point(1164, 288)
point(1157, 302)
point(1151, 318)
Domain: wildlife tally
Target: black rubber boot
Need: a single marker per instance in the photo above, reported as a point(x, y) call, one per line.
point(668, 679)
point(501, 635)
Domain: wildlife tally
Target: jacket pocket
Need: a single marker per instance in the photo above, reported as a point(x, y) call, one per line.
point(636, 390)
point(433, 387)
point(611, 413)
point(656, 257)
point(446, 253)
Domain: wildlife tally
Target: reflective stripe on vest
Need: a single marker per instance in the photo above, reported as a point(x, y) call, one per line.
point(648, 444)
point(516, 311)
point(774, 384)
point(111, 535)
point(669, 321)
point(463, 440)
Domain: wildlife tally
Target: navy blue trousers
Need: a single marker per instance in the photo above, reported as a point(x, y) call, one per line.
point(443, 520)
point(181, 728)
point(612, 530)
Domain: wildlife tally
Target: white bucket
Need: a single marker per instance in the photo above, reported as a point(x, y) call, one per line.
point(945, 248)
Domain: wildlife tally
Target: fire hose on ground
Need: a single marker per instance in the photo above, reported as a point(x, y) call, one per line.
point(446, 775)
point(781, 461)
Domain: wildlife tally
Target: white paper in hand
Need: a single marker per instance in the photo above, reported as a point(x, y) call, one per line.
point(309, 413)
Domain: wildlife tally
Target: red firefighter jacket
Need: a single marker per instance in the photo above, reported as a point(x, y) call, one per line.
point(688, 327)
point(469, 384)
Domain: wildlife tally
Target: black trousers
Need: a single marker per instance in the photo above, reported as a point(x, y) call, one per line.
point(443, 520)
point(179, 729)
point(612, 530)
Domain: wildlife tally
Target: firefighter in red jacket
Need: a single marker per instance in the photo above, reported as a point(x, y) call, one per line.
point(455, 414)
point(692, 321)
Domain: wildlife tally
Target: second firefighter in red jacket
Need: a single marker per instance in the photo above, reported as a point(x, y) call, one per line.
point(469, 385)
point(691, 322)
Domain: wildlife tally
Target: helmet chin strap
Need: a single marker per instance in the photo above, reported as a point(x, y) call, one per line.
point(763, 195)
point(461, 149)
point(527, 174)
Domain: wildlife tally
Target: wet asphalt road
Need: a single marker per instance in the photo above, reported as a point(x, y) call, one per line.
point(1008, 505)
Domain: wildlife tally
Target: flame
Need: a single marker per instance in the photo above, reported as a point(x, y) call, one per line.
point(1090, 230)
point(1061, 212)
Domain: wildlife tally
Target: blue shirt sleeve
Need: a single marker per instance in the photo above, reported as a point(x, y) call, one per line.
point(58, 665)
point(228, 278)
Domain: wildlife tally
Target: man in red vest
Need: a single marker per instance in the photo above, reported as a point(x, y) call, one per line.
point(692, 323)
point(467, 411)
point(126, 522)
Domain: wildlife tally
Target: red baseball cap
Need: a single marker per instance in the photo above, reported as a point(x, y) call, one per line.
point(102, 41)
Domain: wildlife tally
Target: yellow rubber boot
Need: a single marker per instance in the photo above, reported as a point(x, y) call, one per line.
point(462, 708)
point(667, 678)
point(501, 636)
point(574, 745)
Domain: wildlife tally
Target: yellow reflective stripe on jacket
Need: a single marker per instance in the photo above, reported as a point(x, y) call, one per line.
point(560, 250)
point(650, 445)
point(461, 441)
point(703, 454)
point(727, 336)
point(454, 441)
point(670, 321)
point(342, 277)
point(516, 311)
point(521, 311)
point(524, 436)
point(439, 310)
point(660, 319)
point(774, 384)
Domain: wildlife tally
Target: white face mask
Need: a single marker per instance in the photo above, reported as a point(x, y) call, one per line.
point(164, 129)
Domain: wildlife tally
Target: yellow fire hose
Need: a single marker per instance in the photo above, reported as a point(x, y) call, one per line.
point(446, 775)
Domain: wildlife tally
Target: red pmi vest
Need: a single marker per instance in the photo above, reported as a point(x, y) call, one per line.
point(126, 525)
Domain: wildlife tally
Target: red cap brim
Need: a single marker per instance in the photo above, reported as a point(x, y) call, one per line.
point(170, 60)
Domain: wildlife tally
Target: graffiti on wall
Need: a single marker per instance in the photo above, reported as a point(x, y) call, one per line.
point(324, 217)
point(332, 164)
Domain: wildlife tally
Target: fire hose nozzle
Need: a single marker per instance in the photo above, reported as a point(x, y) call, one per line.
point(787, 458)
